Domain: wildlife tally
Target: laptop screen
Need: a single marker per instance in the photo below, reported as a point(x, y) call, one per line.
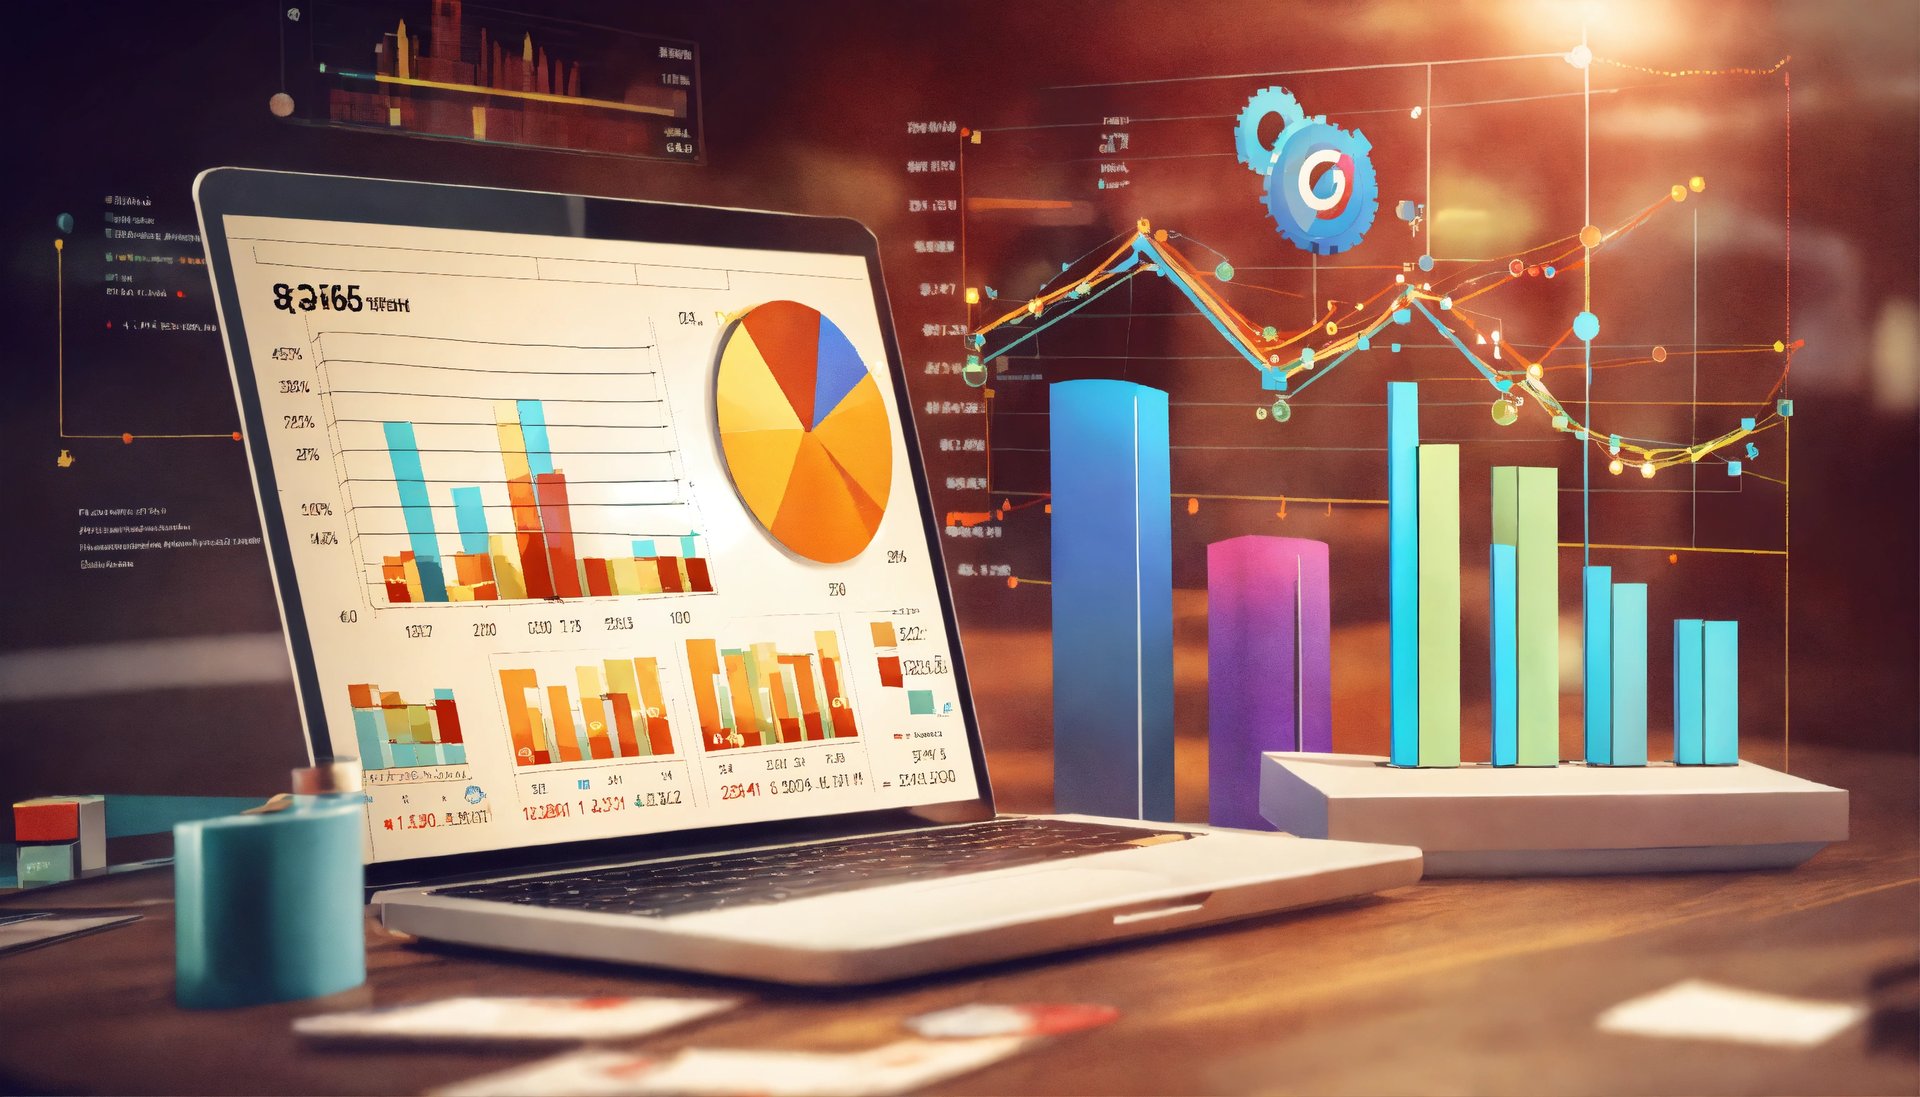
point(594, 538)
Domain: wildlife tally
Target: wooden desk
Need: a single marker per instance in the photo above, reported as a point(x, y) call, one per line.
point(1446, 987)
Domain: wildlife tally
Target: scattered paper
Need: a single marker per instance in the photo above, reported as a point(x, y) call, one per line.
point(899, 1067)
point(1699, 1010)
point(33, 928)
point(510, 1020)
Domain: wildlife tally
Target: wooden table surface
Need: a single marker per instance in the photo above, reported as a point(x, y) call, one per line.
point(1450, 986)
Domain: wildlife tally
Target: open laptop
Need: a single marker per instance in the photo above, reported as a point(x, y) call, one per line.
point(601, 537)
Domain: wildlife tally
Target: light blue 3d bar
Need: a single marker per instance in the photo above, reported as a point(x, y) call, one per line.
point(1720, 692)
point(1689, 676)
point(1403, 546)
point(1112, 600)
point(1629, 674)
point(1503, 631)
point(1596, 602)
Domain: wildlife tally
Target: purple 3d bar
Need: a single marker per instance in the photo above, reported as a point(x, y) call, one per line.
point(1269, 665)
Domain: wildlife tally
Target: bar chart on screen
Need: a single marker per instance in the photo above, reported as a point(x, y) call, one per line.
point(559, 478)
point(785, 690)
point(395, 733)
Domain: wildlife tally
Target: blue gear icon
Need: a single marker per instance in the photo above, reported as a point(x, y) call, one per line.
point(1246, 132)
point(1332, 213)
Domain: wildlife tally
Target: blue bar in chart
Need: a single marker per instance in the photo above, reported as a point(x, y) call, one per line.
point(1596, 588)
point(411, 481)
point(1403, 537)
point(533, 429)
point(1504, 628)
point(1720, 692)
point(1689, 679)
point(1629, 674)
point(1112, 600)
point(471, 517)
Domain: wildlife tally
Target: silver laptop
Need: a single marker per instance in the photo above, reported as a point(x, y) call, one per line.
point(601, 537)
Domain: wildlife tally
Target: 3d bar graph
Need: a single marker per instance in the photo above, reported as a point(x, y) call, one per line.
point(1403, 533)
point(1501, 628)
point(1112, 600)
point(755, 694)
point(1269, 665)
point(1439, 571)
point(1526, 516)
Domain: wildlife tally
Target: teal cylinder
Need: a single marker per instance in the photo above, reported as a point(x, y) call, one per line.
point(270, 907)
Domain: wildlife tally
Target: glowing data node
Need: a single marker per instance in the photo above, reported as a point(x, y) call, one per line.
point(1586, 326)
point(1591, 236)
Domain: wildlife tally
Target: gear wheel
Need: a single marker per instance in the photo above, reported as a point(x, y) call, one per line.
point(1331, 214)
point(1246, 132)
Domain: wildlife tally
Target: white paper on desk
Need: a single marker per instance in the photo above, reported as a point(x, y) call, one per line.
point(1699, 1010)
point(899, 1067)
point(511, 1020)
point(40, 929)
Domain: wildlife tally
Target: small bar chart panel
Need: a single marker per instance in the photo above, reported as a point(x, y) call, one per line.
point(765, 693)
point(601, 710)
point(463, 498)
point(394, 733)
point(462, 71)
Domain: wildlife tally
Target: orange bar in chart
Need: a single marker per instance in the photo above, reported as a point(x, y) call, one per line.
point(561, 706)
point(841, 706)
point(622, 709)
point(890, 671)
point(801, 668)
point(599, 582)
point(741, 689)
point(883, 634)
point(557, 522)
point(623, 693)
point(659, 732)
point(514, 687)
point(593, 709)
point(703, 664)
point(534, 568)
point(698, 578)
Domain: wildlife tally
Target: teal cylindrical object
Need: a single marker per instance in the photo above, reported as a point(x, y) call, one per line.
point(270, 907)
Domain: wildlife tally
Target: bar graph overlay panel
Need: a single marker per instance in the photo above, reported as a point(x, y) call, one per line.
point(492, 472)
point(587, 710)
point(769, 692)
point(395, 733)
point(1112, 600)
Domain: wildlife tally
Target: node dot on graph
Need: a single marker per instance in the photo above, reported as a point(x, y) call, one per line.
point(1679, 193)
point(281, 105)
point(1224, 271)
point(1586, 326)
point(1516, 268)
point(65, 222)
point(126, 439)
point(1696, 184)
point(1504, 413)
point(1591, 236)
point(1778, 346)
point(1659, 354)
point(1426, 262)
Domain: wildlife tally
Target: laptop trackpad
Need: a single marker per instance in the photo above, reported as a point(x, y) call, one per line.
point(951, 903)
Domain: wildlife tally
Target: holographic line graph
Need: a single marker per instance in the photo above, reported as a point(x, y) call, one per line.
point(1280, 357)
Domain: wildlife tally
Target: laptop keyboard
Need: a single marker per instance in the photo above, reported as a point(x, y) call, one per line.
point(664, 888)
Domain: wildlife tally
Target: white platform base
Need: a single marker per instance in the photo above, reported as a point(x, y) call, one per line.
point(1568, 820)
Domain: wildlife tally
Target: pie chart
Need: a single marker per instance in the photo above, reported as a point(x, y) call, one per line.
point(804, 433)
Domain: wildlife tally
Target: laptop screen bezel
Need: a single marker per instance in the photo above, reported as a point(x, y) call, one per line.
point(223, 192)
